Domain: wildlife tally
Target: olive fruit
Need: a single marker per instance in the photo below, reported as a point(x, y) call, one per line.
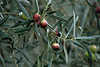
point(97, 9)
point(55, 46)
point(93, 48)
point(44, 23)
point(93, 56)
point(36, 17)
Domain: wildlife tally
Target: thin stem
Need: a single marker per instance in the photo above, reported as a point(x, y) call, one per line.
point(88, 37)
point(44, 11)
point(65, 51)
point(72, 27)
point(15, 59)
point(37, 6)
point(74, 24)
point(8, 13)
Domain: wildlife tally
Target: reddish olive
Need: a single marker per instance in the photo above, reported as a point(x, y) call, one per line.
point(44, 23)
point(36, 17)
point(97, 9)
point(55, 46)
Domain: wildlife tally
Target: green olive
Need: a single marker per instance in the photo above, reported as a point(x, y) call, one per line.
point(93, 56)
point(93, 48)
